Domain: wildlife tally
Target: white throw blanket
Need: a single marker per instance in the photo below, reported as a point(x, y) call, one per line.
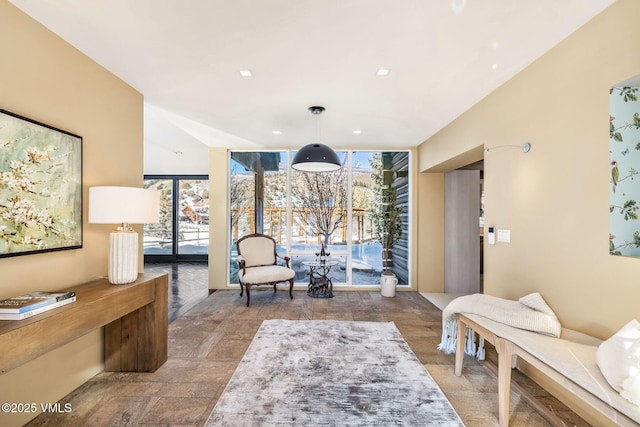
point(530, 312)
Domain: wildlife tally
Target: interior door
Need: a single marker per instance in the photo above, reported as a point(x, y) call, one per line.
point(462, 232)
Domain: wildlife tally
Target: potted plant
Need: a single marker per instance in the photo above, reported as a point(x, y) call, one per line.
point(386, 219)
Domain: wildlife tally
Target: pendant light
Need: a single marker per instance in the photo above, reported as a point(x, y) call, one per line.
point(316, 157)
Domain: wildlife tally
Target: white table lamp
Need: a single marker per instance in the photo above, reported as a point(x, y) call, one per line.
point(123, 205)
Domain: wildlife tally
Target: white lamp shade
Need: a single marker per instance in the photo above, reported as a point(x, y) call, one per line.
point(123, 205)
point(117, 205)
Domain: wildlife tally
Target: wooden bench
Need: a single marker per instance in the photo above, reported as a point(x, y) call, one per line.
point(570, 361)
point(134, 316)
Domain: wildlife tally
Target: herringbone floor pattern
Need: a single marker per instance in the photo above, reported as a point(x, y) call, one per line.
point(207, 342)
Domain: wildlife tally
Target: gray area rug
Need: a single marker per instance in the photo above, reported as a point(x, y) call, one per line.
point(331, 373)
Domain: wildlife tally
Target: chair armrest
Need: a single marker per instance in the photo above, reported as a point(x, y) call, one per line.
point(284, 257)
point(241, 264)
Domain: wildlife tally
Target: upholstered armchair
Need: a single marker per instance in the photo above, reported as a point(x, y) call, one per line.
point(258, 264)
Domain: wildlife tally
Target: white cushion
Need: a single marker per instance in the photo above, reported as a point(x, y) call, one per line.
point(257, 251)
point(616, 358)
point(631, 389)
point(266, 274)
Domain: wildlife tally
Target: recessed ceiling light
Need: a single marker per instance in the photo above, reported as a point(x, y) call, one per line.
point(276, 132)
point(357, 131)
point(383, 72)
point(246, 73)
point(494, 67)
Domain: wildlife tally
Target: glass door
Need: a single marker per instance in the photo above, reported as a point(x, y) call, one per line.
point(193, 215)
point(158, 238)
point(183, 230)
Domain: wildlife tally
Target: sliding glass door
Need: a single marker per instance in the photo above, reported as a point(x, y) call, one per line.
point(183, 230)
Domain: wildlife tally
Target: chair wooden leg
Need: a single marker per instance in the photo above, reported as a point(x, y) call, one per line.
point(248, 295)
point(241, 289)
point(274, 287)
point(291, 288)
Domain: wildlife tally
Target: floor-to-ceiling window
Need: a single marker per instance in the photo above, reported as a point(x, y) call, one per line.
point(319, 217)
point(183, 230)
point(303, 211)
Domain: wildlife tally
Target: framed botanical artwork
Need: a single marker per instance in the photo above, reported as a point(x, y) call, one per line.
point(40, 187)
point(624, 164)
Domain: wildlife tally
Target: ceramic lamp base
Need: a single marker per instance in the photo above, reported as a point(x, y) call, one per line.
point(123, 257)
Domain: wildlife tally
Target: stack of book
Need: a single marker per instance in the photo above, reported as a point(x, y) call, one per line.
point(28, 305)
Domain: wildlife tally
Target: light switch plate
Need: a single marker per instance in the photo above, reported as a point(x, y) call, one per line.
point(504, 236)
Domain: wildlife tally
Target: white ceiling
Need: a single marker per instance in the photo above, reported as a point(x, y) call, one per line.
point(185, 57)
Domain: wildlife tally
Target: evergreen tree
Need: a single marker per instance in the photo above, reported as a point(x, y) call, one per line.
point(385, 214)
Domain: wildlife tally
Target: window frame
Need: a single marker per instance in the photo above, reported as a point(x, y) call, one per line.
point(347, 253)
point(175, 256)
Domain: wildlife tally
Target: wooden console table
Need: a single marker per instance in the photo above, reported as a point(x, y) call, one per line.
point(135, 317)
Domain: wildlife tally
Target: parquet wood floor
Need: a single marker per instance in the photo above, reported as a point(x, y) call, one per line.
point(207, 342)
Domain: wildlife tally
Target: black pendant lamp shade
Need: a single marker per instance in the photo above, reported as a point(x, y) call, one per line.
point(316, 157)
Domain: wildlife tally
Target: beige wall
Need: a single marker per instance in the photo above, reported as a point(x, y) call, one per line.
point(218, 230)
point(45, 79)
point(430, 225)
point(555, 199)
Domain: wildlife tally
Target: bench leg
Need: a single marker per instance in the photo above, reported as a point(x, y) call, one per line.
point(505, 358)
point(460, 337)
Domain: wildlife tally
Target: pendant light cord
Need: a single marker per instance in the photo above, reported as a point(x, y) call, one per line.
point(316, 111)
